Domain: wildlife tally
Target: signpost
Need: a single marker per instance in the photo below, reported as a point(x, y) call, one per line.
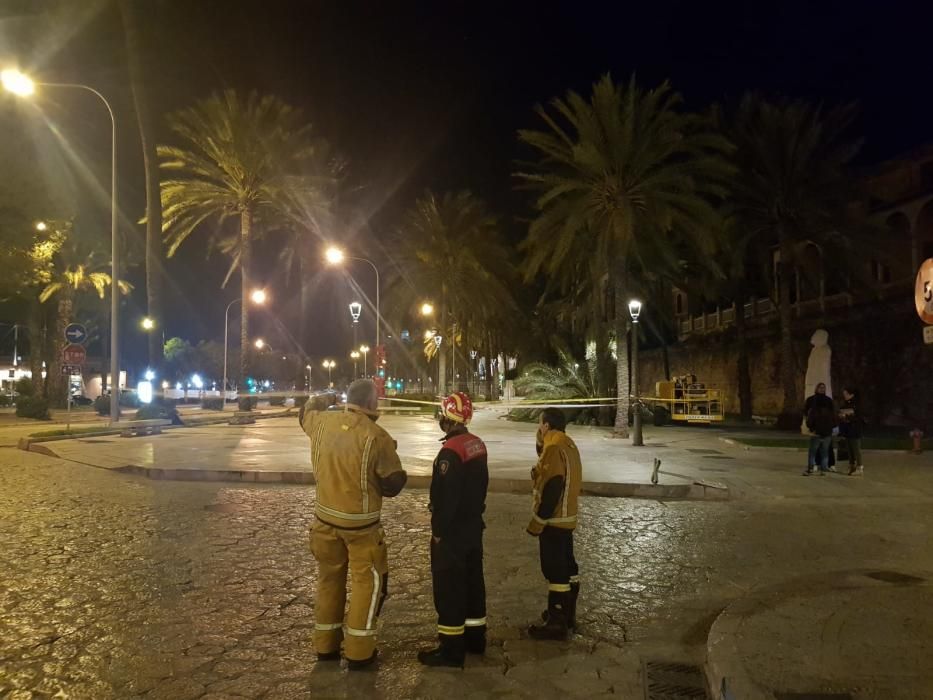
point(928, 335)
point(73, 357)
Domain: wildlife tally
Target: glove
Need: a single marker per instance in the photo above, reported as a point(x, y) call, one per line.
point(534, 528)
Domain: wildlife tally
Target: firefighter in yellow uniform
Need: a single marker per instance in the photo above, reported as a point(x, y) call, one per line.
point(557, 477)
point(355, 464)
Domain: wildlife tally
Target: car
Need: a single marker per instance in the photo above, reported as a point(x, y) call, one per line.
point(80, 400)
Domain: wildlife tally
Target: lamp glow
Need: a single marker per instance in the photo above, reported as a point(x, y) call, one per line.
point(16, 82)
point(427, 309)
point(150, 375)
point(258, 296)
point(148, 324)
point(197, 381)
point(260, 343)
point(356, 308)
point(334, 255)
point(144, 392)
point(41, 226)
point(634, 309)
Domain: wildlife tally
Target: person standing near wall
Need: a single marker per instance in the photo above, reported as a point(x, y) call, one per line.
point(851, 427)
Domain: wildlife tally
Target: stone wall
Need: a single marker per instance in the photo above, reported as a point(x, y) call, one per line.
point(878, 348)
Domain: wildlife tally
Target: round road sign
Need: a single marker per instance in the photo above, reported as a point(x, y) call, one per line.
point(923, 293)
point(73, 355)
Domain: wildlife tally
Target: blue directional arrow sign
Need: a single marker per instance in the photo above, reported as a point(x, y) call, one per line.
point(76, 333)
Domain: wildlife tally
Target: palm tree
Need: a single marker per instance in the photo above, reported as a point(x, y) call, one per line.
point(65, 268)
point(792, 187)
point(135, 52)
point(239, 160)
point(448, 251)
point(624, 180)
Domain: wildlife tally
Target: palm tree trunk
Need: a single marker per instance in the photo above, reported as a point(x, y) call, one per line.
point(603, 364)
point(154, 270)
point(623, 380)
point(304, 303)
point(744, 376)
point(790, 412)
point(36, 341)
point(57, 385)
point(246, 254)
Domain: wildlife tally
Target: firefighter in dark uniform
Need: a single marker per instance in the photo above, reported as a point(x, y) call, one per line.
point(458, 500)
point(557, 477)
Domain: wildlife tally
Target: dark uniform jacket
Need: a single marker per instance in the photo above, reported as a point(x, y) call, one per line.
point(458, 487)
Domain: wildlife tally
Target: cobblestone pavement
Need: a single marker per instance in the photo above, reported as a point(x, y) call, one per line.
point(116, 586)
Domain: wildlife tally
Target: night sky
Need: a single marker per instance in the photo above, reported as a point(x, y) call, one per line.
point(430, 95)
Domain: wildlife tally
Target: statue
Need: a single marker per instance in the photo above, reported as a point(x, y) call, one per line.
point(818, 368)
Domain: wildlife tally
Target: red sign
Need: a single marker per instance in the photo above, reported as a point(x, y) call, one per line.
point(73, 355)
point(380, 355)
point(380, 386)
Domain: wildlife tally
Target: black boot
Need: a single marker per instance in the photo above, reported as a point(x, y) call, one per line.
point(449, 652)
point(475, 639)
point(555, 626)
point(572, 606)
point(361, 664)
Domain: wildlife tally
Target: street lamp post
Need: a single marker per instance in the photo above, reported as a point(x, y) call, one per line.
point(335, 256)
point(258, 297)
point(20, 84)
point(355, 356)
point(634, 309)
point(329, 366)
point(365, 349)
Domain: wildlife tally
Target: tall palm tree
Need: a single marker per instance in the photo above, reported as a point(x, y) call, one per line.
point(65, 268)
point(792, 187)
point(448, 251)
point(625, 179)
point(240, 159)
point(135, 52)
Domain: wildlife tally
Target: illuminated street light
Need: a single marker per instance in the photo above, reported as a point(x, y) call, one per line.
point(20, 84)
point(634, 309)
point(260, 343)
point(329, 366)
point(364, 349)
point(355, 356)
point(258, 296)
point(17, 83)
point(427, 308)
point(335, 256)
point(356, 308)
point(150, 375)
point(147, 323)
point(41, 226)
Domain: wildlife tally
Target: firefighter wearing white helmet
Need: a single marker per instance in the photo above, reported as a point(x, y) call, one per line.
point(355, 465)
point(458, 499)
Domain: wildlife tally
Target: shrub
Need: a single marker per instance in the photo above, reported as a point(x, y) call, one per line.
point(33, 407)
point(129, 399)
point(150, 412)
point(4, 400)
point(102, 405)
point(247, 403)
point(25, 387)
point(277, 400)
point(213, 403)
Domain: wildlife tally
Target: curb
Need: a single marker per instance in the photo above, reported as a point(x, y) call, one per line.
point(726, 675)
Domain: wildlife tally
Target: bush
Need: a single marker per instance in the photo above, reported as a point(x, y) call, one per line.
point(4, 400)
point(33, 407)
point(150, 412)
point(277, 400)
point(129, 399)
point(25, 386)
point(247, 403)
point(213, 403)
point(102, 405)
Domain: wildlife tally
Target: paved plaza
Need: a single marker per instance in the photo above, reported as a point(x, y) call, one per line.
point(117, 586)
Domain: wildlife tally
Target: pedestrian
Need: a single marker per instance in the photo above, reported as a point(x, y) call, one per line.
point(458, 499)
point(556, 482)
point(851, 426)
point(355, 465)
point(821, 419)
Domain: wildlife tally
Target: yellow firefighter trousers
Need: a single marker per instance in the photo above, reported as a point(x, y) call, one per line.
point(365, 553)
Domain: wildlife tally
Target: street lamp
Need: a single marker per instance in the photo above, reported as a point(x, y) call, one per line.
point(147, 323)
point(634, 310)
point(355, 355)
point(364, 349)
point(329, 366)
point(427, 308)
point(335, 256)
point(41, 226)
point(260, 343)
point(258, 296)
point(20, 84)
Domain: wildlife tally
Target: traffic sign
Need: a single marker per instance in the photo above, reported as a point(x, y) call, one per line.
point(76, 333)
point(73, 355)
point(923, 291)
point(69, 370)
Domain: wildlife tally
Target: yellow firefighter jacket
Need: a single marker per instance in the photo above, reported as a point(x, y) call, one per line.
point(556, 484)
point(350, 455)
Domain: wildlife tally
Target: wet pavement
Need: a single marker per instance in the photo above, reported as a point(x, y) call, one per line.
point(117, 586)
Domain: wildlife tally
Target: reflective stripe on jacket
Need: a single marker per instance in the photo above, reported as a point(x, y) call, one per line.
point(350, 454)
point(556, 484)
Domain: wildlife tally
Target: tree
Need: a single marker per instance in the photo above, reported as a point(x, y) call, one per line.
point(792, 187)
point(67, 267)
point(448, 252)
point(241, 160)
point(625, 180)
point(129, 9)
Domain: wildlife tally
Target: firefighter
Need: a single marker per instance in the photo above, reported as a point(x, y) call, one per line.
point(355, 465)
point(458, 500)
point(556, 487)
